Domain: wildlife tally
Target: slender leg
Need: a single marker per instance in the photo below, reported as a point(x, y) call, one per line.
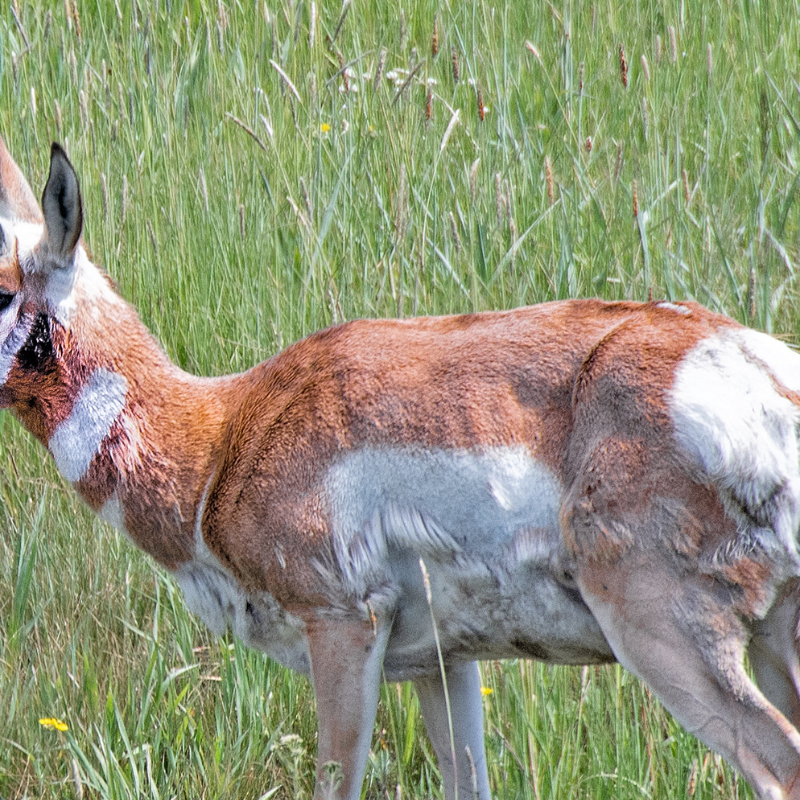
point(466, 707)
point(346, 662)
point(681, 636)
point(773, 654)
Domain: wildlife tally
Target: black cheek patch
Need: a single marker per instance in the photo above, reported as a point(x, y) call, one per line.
point(37, 352)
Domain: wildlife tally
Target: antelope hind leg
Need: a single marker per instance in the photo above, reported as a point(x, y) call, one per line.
point(774, 657)
point(680, 635)
point(466, 710)
point(346, 663)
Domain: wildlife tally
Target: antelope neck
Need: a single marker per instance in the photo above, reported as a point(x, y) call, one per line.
point(138, 437)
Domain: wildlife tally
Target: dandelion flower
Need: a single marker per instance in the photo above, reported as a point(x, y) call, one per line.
point(325, 128)
point(486, 690)
point(53, 722)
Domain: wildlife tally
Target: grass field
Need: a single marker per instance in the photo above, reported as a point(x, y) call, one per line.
point(253, 171)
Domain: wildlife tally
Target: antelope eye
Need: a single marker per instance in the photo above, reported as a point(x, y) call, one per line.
point(5, 300)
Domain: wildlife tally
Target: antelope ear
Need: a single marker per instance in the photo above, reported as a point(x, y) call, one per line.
point(17, 200)
point(62, 206)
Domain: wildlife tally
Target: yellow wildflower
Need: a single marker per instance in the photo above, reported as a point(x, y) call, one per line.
point(486, 690)
point(53, 722)
point(325, 128)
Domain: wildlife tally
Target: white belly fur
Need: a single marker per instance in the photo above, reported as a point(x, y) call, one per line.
point(486, 527)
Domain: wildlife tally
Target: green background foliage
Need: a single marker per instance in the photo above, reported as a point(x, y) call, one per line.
point(253, 171)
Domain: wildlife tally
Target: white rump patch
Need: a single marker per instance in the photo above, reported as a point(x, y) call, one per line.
point(78, 439)
point(741, 433)
point(674, 307)
point(781, 360)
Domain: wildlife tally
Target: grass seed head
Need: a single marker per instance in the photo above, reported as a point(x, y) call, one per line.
point(691, 784)
point(645, 117)
point(635, 200)
point(403, 30)
point(342, 17)
point(343, 71)
point(623, 67)
point(151, 232)
point(535, 50)
point(473, 179)
point(220, 36)
point(548, 176)
point(499, 199)
point(510, 210)
point(73, 64)
point(435, 36)
point(645, 67)
point(454, 61)
point(379, 69)
point(306, 198)
point(673, 45)
point(618, 165)
point(658, 49)
point(454, 232)
point(76, 17)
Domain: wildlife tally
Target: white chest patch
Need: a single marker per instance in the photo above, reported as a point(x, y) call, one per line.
point(78, 439)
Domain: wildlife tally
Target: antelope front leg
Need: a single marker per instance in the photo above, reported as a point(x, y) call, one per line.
point(346, 662)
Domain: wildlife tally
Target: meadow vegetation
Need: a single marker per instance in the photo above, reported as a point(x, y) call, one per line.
point(254, 171)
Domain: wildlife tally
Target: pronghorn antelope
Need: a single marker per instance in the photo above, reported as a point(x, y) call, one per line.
point(577, 482)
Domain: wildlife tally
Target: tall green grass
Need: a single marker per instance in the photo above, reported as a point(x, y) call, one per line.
point(248, 179)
